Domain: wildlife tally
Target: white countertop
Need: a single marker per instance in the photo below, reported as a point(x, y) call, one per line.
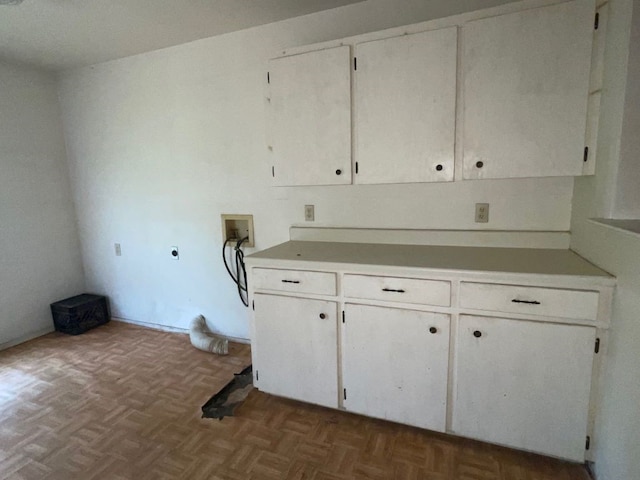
point(474, 259)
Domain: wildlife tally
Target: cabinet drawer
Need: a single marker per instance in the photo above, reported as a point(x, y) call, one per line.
point(530, 300)
point(407, 290)
point(320, 283)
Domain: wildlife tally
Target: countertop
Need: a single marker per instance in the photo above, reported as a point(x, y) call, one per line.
point(474, 259)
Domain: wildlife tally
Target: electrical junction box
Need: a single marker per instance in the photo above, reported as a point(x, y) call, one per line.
point(235, 227)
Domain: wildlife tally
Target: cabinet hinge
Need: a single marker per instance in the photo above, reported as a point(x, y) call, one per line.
point(585, 156)
point(587, 443)
point(596, 22)
point(273, 171)
point(597, 349)
point(342, 316)
point(268, 78)
point(355, 63)
point(356, 167)
point(344, 393)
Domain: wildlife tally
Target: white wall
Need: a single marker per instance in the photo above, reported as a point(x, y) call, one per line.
point(40, 258)
point(617, 436)
point(161, 144)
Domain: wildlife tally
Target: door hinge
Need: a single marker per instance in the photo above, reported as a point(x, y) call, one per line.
point(268, 78)
point(587, 443)
point(344, 393)
point(585, 156)
point(273, 171)
point(597, 349)
point(355, 63)
point(342, 316)
point(356, 167)
point(253, 304)
point(596, 22)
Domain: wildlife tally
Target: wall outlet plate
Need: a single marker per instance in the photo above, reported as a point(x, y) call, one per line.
point(309, 213)
point(482, 212)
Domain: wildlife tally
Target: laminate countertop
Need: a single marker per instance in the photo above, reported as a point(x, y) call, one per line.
point(470, 259)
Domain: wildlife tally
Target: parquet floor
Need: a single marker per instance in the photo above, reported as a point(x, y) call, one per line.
point(123, 402)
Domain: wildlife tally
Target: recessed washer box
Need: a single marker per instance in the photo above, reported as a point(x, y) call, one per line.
point(235, 227)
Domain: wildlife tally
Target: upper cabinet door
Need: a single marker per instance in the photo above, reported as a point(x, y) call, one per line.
point(526, 83)
point(309, 118)
point(405, 103)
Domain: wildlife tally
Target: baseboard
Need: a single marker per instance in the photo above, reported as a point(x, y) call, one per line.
point(26, 337)
point(167, 328)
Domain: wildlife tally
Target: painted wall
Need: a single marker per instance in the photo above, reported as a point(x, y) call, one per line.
point(161, 144)
point(617, 436)
point(40, 259)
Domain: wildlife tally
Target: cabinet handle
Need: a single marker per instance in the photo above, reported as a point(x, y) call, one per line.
point(433, 330)
point(322, 316)
point(338, 172)
point(479, 164)
point(392, 290)
point(439, 167)
point(528, 302)
point(290, 281)
point(477, 333)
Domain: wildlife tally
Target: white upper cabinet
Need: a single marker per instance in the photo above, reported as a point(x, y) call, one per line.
point(525, 90)
point(309, 118)
point(405, 108)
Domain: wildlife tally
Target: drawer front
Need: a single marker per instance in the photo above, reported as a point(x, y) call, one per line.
point(394, 289)
point(550, 302)
point(300, 281)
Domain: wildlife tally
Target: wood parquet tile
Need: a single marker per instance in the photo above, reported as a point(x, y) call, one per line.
point(122, 402)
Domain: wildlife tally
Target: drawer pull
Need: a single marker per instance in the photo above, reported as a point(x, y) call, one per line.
point(433, 330)
point(290, 281)
point(322, 316)
point(477, 334)
point(528, 302)
point(392, 290)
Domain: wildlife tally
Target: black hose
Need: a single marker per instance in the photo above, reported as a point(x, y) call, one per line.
point(240, 268)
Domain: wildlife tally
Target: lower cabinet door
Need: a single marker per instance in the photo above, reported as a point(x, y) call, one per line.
point(524, 384)
point(395, 364)
point(295, 346)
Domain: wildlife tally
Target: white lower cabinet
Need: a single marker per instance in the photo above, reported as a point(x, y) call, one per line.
point(523, 384)
point(296, 355)
point(503, 359)
point(395, 364)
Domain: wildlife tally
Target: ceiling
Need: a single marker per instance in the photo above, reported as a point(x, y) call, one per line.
point(61, 34)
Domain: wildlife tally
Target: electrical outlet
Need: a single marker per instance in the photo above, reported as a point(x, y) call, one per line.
point(175, 254)
point(309, 213)
point(117, 249)
point(482, 212)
